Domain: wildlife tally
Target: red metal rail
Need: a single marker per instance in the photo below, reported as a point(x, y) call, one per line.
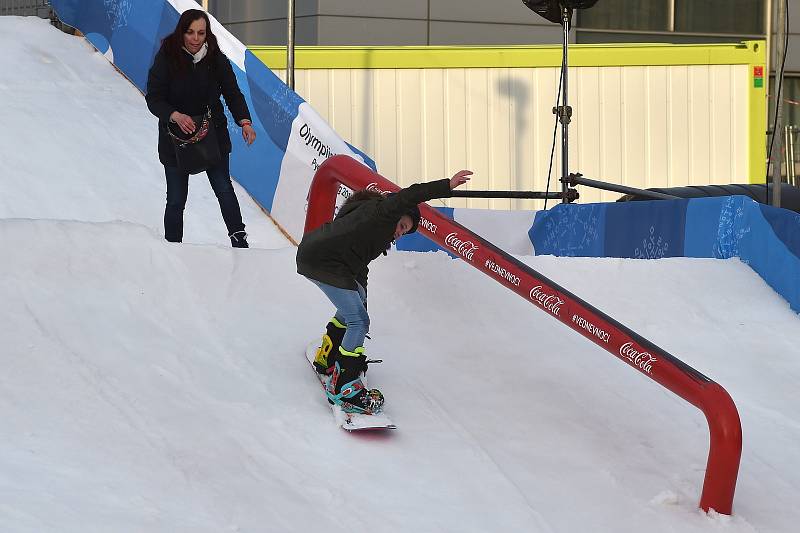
point(639, 353)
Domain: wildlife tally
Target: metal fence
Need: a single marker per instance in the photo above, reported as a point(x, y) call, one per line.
point(26, 8)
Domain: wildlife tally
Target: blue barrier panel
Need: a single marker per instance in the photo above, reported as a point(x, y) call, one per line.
point(764, 237)
point(569, 230)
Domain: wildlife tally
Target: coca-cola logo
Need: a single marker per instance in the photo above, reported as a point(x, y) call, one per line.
point(550, 302)
point(464, 248)
point(643, 360)
point(428, 225)
point(374, 187)
point(591, 328)
point(502, 272)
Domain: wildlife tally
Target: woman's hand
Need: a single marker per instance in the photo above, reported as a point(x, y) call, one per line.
point(248, 134)
point(184, 122)
point(460, 178)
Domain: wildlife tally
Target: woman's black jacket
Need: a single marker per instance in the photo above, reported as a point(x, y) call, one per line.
point(338, 252)
point(190, 91)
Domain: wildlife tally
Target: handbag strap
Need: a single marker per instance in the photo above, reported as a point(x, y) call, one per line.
point(199, 133)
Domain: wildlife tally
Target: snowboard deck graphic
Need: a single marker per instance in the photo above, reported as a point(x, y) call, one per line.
point(349, 421)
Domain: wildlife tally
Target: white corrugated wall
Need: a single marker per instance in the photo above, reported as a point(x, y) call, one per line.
point(642, 126)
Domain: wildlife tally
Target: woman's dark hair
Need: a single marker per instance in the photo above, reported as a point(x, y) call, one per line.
point(363, 194)
point(172, 44)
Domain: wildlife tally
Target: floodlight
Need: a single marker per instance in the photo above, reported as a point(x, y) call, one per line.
point(553, 10)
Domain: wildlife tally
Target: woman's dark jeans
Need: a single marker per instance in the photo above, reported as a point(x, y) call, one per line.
point(178, 189)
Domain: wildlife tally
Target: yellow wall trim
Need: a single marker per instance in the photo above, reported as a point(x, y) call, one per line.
point(587, 55)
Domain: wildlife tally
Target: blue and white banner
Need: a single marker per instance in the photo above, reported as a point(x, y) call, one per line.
point(293, 140)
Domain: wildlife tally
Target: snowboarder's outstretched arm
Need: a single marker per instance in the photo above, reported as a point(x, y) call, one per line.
point(398, 204)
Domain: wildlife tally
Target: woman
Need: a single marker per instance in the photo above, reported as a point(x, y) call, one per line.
point(188, 76)
point(335, 257)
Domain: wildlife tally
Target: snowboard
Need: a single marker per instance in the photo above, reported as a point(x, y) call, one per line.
point(349, 421)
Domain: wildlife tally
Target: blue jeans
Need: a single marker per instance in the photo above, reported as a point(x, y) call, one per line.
point(178, 189)
point(351, 310)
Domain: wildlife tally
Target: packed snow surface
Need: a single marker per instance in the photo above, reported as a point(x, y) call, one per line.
point(149, 386)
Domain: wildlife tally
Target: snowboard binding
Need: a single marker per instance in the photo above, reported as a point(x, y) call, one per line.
point(353, 396)
point(368, 402)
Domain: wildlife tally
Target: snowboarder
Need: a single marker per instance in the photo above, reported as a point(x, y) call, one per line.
point(335, 257)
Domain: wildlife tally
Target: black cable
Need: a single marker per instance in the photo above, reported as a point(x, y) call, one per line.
point(555, 130)
point(778, 96)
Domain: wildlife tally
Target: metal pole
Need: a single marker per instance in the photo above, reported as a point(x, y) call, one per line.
point(768, 85)
point(428, 24)
point(290, 45)
point(794, 160)
point(780, 51)
point(792, 168)
point(528, 195)
point(671, 15)
point(787, 152)
point(768, 32)
point(791, 174)
point(578, 179)
point(565, 115)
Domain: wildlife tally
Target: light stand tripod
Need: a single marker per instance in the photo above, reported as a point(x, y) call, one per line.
point(560, 11)
point(564, 112)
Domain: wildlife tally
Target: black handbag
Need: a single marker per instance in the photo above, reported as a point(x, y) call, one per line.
point(199, 150)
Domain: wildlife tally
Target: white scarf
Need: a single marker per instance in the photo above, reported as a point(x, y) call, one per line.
point(196, 58)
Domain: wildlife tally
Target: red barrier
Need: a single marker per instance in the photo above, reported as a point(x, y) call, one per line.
point(639, 353)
